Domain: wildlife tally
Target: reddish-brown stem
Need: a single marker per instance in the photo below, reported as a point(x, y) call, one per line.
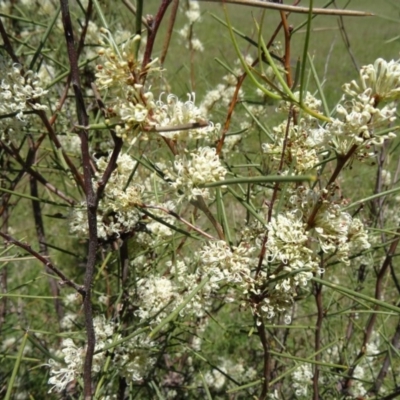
point(341, 162)
point(115, 153)
point(53, 137)
point(12, 151)
point(44, 260)
point(231, 108)
point(286, 31)
point(37, 214)
point(395, 344)
point(378, 295)
point(171, 23)
point(91, 203)
point(152, 35)
point(274, 194)
point(267, 361)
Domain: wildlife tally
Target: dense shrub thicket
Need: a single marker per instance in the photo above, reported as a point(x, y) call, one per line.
point(236, 244)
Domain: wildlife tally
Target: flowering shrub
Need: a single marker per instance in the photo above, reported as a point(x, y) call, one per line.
point(195, 246)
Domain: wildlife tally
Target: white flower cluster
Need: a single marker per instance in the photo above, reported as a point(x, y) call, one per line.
point(131, 357)
point(116, 211)
point(73, 355)
point(302, 380)
point(176, 113)
point(367, 368)
point(133, 107)
point(234, 369)
point(157, 297)
point(382, 79)
point(359, 123)
point(337, 231)
point(193, 15)
point(302, 142)
point(19, 92)
point(287, 244)
point(191, 172)
point(224, 264)
point(362, 118)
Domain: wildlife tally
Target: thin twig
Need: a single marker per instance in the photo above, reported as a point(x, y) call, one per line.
point(39, 226)
point(152, 35)
point(179, 218)
point(317, 338)
point(132, 9)
point(300, 10)
point(346, 40)
point(371, 322)
point(12, 151)
point(7, 44)
point(168, 35)
point(44, 260)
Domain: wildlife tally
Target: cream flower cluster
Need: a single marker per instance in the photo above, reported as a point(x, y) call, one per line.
point(186, 32)
point(157, 297)
point(133, 108)
point(117, 212)
point(73, 356)
point(302, 380)
point(302, 142)
point(287, 242)
point(131, 357)
point(362, 113)
point(191, 171)
point(225, 264)
point(176, 113)
point(337, 231)
point(358, 124)
point(19, 92)
point(382, 78)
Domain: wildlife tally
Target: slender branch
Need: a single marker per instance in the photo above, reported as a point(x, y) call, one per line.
point(152, 35)
point(54, 138)
point(346, 40)
point(301, 10)
point(168, 35)
point(286, 30)
point(115, 153)
point(395, 344)
point(179, 218)
point(7, 44)
point(132, 9)
point(34, 173)
point(378, 295)
point(90, 198)
point(45, 261)
point(37, 214)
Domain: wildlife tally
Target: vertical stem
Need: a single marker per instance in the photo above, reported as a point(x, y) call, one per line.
point(317, 346)
point(153, 33)
point(167, 40)
point(267, 361)
point(39, 226)
point(138, 23)
point(90, 199)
